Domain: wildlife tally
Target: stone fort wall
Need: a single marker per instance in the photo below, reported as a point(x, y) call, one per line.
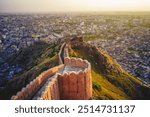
point(76, 85)
point(31, 89)
point(61, 54)
point(54, 84)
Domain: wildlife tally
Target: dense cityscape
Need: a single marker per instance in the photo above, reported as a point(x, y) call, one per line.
point(125, 37)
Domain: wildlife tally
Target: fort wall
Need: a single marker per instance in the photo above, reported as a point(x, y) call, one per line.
point(31, 89)
point(76, 85)
point(61, 53)
point(55, 84)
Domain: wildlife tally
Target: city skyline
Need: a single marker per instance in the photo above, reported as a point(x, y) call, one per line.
point(10, 6)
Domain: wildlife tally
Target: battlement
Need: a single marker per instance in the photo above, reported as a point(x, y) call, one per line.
point(76, 62)
point(75, 85)
point(29, 91)
point(71, 80)
point(49, 91)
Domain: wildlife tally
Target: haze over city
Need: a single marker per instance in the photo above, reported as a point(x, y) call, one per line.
point(7, 6)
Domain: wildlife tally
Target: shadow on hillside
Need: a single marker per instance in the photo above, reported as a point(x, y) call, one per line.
point(33, 60)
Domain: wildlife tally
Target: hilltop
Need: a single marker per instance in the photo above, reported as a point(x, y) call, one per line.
point(110, 80)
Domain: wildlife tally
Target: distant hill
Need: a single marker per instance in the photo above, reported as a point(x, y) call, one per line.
point(110, 81)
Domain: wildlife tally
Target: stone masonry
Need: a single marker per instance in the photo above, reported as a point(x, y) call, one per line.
point(71, 80)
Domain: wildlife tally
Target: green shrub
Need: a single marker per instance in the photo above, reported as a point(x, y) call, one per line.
point(96, 86)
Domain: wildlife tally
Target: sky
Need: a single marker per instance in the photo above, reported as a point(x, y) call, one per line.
point(7, 6)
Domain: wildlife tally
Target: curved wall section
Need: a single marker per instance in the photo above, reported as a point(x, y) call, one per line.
point(71, 80)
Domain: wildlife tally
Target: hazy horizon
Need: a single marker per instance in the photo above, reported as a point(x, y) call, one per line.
point(38, 6)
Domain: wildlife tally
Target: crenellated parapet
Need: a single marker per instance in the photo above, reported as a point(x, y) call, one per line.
point(76, 62)
point(74, 85)
point(71, 80)
point(50, 91)
point(31, 89)
point(68, 85)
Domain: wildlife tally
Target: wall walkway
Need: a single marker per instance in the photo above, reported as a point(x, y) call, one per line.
point(71, 80)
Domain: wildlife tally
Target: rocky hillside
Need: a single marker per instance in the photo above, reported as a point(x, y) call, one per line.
point(34, 60)
point(110, 81)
